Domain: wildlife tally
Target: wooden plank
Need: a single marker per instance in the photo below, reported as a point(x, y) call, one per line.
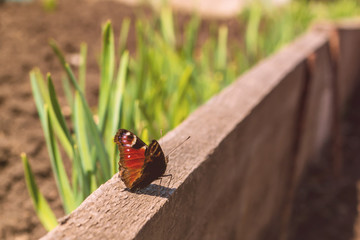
point(349, 59)
point(230, 180)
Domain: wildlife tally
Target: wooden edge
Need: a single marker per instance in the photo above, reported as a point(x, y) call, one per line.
point(111, 212)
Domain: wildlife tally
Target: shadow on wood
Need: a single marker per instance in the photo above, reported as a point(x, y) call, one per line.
point(155, 190)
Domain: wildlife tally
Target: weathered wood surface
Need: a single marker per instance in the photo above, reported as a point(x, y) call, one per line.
point(234, 177)
point(349, 58)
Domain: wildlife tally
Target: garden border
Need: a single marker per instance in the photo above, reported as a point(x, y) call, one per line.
point(249, 145)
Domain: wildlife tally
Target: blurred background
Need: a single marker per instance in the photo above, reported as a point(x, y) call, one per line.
point(151, 63)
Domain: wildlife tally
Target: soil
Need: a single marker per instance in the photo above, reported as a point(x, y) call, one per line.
point(25, 29)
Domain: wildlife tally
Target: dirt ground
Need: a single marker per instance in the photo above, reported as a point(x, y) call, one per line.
point(325, 208)
point(24, 33)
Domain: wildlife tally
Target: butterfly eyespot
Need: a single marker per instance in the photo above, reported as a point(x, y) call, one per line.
point(127, 139)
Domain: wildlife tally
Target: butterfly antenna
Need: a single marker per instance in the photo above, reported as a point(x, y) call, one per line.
point(177, 146)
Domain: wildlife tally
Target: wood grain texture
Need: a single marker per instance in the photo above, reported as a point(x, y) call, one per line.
point(231, 179)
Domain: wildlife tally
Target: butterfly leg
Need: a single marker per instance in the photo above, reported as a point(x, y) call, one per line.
point(168, 175)
point(160, 178)
point(158, 192)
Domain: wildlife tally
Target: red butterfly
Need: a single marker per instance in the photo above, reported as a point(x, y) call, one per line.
point(139, 164)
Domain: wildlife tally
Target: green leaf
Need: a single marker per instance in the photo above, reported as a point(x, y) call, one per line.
point(61, 178)
point(80, 184)
point(252, 30)
point(93, 130)
point(42, 208)
point(124, 32)
point(222, 48)
point(107, 72)
point(140, 65)
point(46, 95)
point(82, 67)
point(36, 89)
point(87, 159)
point(167, 26)
point(81, 135)
point(68, 92)
point(178, 103)
point(116, 105)
point(49, 5)
point(57, 51)
point(62, 130)
point(191, 33)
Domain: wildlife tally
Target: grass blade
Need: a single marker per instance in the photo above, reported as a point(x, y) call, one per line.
point(252, 30)
point(68, 92)
point(221, 53)
point(57, 51)
point(178, 104)
point(61, 177)
point(42, 96)
point(37, 93)
point(124, 32)
point(107, 72)
point(116, 105)
point(167, 26)
point(191, 33)
point(92, 128)
point(119, 91)
point(62, 130)
point(82, 67)
point(141, 66)
point(81, 130)
point(42, 208)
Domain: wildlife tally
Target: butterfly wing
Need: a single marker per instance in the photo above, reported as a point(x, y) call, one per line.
point(132, 157)
point(139, 164)
point(154, 166)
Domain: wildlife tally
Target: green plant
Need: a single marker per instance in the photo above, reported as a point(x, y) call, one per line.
point(49, 5)
point(269, 28)
point(89, 146)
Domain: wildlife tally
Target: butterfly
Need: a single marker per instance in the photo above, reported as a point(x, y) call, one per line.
point(139, 164)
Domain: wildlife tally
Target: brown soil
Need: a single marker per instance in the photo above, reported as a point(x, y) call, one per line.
point(24, 33)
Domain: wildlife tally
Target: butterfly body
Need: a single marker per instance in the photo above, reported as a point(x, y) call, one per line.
point(139, 164)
